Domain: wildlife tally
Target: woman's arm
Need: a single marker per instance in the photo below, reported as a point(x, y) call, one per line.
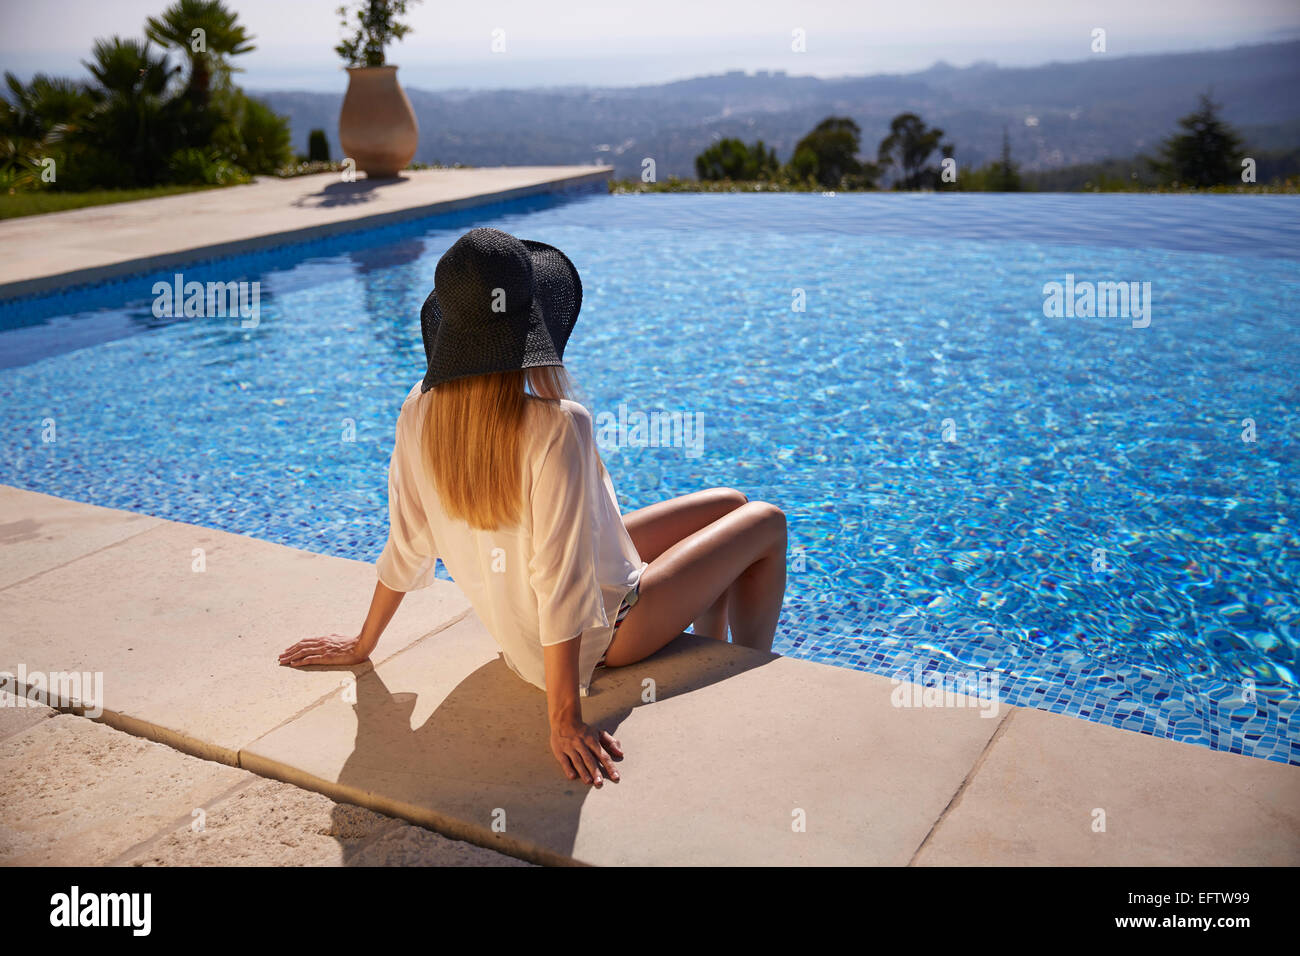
point(338, 649)
point(579, 749)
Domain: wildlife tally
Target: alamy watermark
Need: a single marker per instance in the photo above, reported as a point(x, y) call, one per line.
point(651, 430)
point(924, 688)
point(132, 911)
point(54, 689)
point(1086, 300)
point(180, 299)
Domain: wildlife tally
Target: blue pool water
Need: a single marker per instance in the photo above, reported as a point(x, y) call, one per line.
point(972, 486)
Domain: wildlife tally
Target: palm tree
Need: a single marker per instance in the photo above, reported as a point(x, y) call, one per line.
point(34, 118)
point(206, 32)
point(128, 68)
point(133, 127)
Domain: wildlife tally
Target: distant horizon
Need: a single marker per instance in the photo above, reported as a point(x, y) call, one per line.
point(407, 73)
point(592, 43)
point(732, 71)
point(991, 64)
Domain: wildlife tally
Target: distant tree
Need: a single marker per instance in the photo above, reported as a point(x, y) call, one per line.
point(907, 149)
point(1004, 176)
point(828, 156)
point(318, 147)
point(732, 159)
point(1208, 153)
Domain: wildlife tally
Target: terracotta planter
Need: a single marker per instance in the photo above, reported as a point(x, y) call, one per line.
point(377, 126)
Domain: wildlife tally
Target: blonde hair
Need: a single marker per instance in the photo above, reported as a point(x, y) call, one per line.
point(472, 436)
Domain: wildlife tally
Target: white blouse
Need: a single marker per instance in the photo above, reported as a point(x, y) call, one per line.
point(559, 574)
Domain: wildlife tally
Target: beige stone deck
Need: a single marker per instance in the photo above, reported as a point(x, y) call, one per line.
point(732, 748)
point(105, 798)
point(84, 245)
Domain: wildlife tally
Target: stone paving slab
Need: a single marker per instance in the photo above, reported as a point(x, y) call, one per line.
point(18, 714)
point(269, 823)
point(74, 792)
point(77, 793)
point(737, 748)
point(190, 657)
point(1036, 796)
point(39, 532)
point(84, 245)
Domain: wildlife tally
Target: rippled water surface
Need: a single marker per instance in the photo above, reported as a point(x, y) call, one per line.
point(1066, 504)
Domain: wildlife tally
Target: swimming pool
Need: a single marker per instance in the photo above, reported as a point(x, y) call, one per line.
point(973, 486)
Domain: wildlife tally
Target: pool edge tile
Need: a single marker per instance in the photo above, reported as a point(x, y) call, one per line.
point(1051, 782)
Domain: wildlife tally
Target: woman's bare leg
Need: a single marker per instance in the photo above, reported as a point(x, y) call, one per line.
point(713, 621)
point(657, 527)
point(741, 555)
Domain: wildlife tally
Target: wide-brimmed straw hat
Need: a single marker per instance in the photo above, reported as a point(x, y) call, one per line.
point(498, 304)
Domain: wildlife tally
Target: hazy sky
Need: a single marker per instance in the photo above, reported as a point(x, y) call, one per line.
point(618, 43)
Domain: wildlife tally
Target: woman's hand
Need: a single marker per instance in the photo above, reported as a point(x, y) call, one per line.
point(584, 753)
point(344, 651)
point(332, 649)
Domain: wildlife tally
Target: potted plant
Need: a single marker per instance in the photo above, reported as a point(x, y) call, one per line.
point(377, 127)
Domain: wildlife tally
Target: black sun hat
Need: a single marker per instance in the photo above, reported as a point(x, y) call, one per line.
point(498, 304)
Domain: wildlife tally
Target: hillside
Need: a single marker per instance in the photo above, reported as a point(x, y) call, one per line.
point(1058, 114)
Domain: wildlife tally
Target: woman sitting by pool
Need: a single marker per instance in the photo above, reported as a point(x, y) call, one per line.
point(496, 471)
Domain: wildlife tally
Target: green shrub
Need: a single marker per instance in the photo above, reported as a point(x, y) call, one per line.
point(318, 147)
point(194, 166)
point(263, 137)
point(732, 159)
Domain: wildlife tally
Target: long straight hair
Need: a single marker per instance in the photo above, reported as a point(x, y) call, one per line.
point(472, 435)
